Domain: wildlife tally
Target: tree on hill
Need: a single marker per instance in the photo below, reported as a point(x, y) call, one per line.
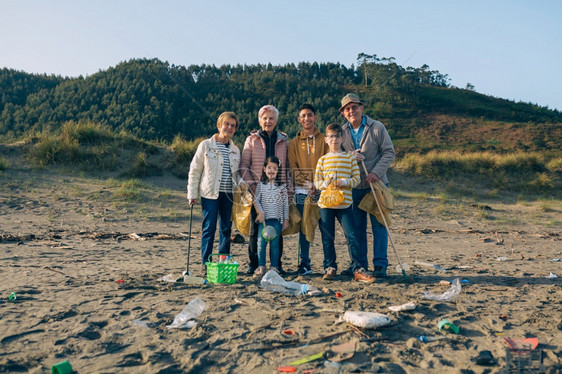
point(155, 100)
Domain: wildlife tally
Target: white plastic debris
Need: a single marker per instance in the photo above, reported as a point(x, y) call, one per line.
point(184, 319)
point(272, 281)
point(368, 320)
point(451, 294)
point(400, 308)
point(551, 276)
point(172, 278)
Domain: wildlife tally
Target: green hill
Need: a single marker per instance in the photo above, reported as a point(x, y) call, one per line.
point(153, 100)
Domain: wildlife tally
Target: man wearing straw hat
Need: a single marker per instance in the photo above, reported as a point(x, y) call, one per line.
point(373, 148)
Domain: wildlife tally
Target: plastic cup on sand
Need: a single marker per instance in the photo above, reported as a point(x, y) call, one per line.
point(62, 368)
point(399, 268)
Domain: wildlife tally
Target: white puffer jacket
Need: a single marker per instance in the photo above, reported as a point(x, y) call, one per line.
point(205, 170)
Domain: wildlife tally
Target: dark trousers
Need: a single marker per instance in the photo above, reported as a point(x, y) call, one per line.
point(253, 246)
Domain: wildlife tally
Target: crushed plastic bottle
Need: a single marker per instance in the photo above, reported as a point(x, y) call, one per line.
point(451, 294)
point(272, 281)
point(400, 308)
point(368, 320)
point(427, 339)
point(184, 319)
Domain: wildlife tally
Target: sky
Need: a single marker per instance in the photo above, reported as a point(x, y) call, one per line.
point(509, 49)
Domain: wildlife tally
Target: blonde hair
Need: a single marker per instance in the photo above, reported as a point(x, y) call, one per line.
point(268, 108)
point(224, 116)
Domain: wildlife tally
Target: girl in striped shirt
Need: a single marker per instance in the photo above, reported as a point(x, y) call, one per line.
point(272, 206)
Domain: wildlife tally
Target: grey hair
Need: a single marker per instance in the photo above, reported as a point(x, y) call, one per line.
point(269, 108)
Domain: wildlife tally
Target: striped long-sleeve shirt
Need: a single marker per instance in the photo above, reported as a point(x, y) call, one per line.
point(341, 166)
point(273, 200)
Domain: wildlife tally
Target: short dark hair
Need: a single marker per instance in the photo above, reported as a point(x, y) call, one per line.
point(306, 106)
point(335, 128)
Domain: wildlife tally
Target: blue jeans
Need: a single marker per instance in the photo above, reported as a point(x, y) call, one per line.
point(304, 244)
point(274, 244)
point(380, 235)
point(328, 228)
point(220, 208)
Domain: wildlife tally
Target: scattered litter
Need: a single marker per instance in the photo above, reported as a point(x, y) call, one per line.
point(551, 276)
point(463, 281)
point(272, 281)
point(289, 332)
point(399, 308)
point(485, 358)
point(444, 283)
point(12, 296)
point(304, 360)
point(338, 294)
point(427, 264)
point(503, 317)
point(449, 295)
point(142, 323)
point(286, 369)
point(341, 352)
point(522, 344)
point(368, 320)
point(501, 259)
point(555, 260)
point(447, 325)
point(135, 236)
point(119, 281)
point(172, 278)
point(404, 267)
point(427, 339)
point(184, 319)
point(63, 367)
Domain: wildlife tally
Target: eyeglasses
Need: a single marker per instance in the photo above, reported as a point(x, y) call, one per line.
point(333, 136)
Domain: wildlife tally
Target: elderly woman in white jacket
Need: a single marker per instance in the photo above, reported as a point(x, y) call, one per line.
point(213, 175)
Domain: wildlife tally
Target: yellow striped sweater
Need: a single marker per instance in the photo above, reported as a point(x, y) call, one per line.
point(341, 166)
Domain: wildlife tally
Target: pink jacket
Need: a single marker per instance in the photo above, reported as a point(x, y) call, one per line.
point(253, 157)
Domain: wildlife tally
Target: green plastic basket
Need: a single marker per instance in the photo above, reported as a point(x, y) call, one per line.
point(218, 272)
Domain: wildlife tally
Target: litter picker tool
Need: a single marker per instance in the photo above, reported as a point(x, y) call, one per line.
point(385, 223)
point(187, 277)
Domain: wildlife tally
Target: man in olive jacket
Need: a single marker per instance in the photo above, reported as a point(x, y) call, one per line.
point(370, 142)
point(304, 151)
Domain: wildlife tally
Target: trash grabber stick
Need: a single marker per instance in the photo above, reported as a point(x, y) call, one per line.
point(384, 220)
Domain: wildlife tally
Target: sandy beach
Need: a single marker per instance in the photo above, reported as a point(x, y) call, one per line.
point(86, 267)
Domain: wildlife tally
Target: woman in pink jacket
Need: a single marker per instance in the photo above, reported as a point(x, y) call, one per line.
point(259, 145)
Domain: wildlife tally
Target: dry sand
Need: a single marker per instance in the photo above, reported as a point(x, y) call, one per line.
point(66, 243)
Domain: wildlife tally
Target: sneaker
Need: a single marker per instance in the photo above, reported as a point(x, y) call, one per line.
point(251, 270)
point(329, 274)
point(304, 270)
point(363, 277)
point(260, 271)
point(380, 272)
point(347, 272)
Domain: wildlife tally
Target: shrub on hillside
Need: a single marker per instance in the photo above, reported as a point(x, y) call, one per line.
point(517, 171)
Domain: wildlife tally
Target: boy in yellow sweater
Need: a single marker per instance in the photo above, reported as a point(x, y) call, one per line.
point(339, 169)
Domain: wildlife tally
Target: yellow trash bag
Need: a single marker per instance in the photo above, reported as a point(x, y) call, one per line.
point(331, 196)
point(310, 217)
point(385, 198)
point(241, 208)
point(294, 220)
